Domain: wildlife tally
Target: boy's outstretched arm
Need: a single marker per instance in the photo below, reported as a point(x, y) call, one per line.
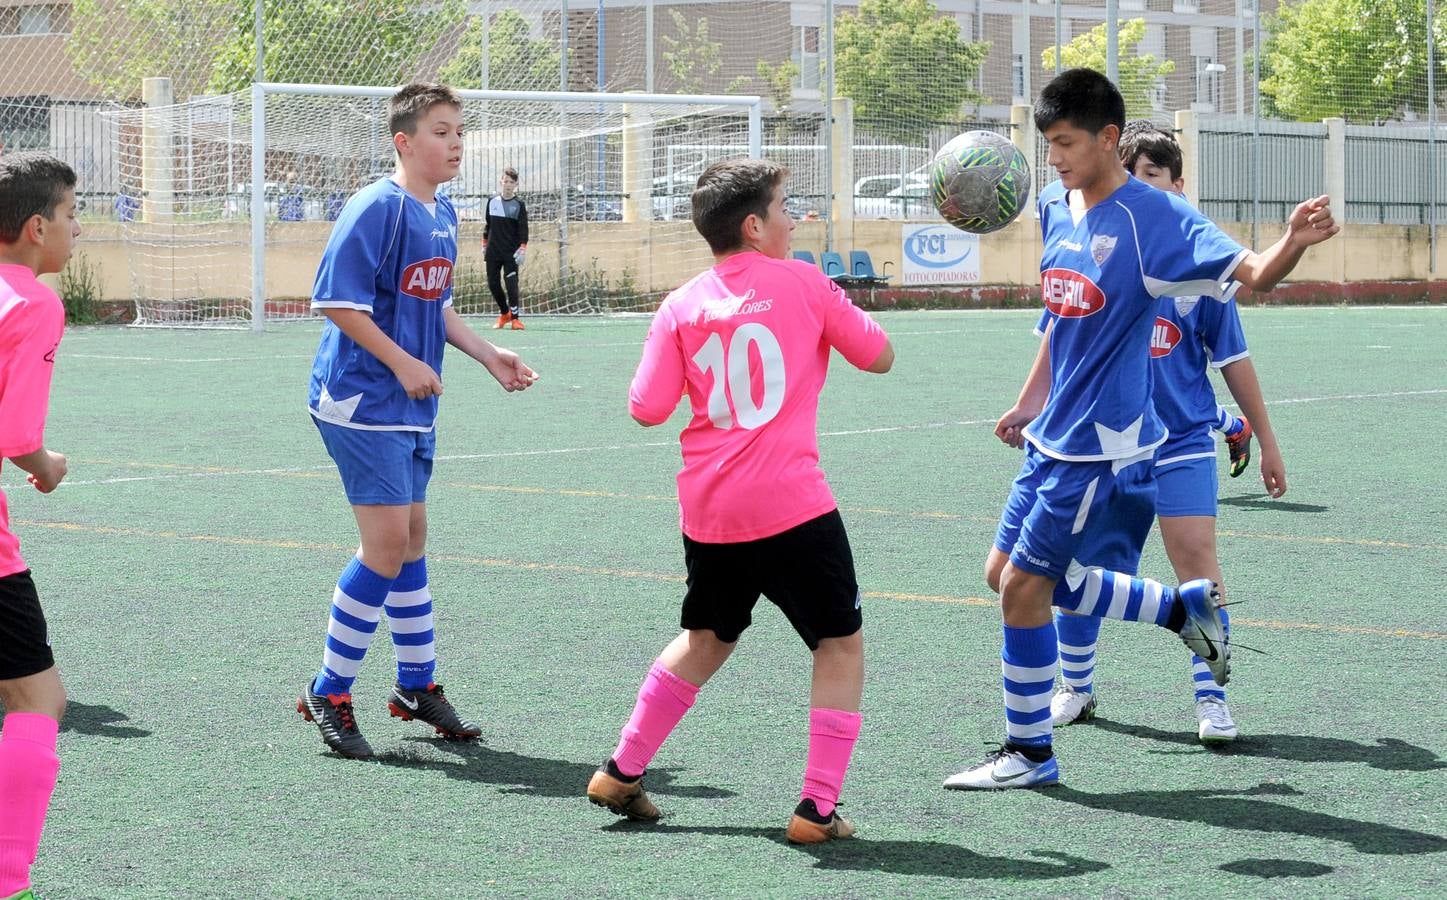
point(418, 379)
point(1245, 389)
point(884, 361)
point(504, 365)
point(1011, 427)
point(1310, 223)
point(46, 468)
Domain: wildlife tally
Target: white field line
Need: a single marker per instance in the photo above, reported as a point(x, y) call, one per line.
point(213, 472)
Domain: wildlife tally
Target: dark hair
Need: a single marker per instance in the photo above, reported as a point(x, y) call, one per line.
point(412, 103)
point(31, 184)
point(1082, 97)
point(729, 192)
point(1143, 138)
point(510, 172)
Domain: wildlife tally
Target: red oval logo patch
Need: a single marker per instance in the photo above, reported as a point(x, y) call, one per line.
point(1070, 294)
point(1164, 337)
point(426, 280)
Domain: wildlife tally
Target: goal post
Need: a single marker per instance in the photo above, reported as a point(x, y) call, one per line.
point(594, 169)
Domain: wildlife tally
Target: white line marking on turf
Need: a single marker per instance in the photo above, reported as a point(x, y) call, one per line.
point(167, 359)
point(559, 451)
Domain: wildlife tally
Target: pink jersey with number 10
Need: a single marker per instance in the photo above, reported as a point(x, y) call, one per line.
point(749, 341)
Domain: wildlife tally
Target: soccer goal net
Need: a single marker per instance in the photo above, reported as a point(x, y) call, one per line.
point(226, 202)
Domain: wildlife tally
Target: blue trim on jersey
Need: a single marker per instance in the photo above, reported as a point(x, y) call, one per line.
point(1101, 278)
point(390, 256)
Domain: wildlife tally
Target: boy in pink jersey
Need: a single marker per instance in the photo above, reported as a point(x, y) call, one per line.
point(37, 232)
point(748, 340)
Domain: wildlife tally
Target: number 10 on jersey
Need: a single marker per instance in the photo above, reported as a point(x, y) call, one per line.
point(732, 365)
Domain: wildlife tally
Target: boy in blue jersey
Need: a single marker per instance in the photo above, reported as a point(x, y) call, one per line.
point(1113, 247)
point(1190, 336)
point(385, 287)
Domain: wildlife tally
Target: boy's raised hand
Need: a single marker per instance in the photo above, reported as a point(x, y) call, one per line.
point(510, 371)
point(1311, 222)
point(418, 379)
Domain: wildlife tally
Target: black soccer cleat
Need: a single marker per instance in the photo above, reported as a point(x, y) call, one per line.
point(430, 705)
point(338, 724)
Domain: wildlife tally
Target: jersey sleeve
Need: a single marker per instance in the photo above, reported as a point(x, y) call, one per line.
point(658, 384)
point(1221, 333)
point(522, 224)
point(1043, 322)
point(486, 218)
point(452, 225)
point(847, 328)
point(361, 239)
point(25, 370)
point(1190, 257)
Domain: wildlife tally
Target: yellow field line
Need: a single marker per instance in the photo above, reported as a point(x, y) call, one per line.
point(527, 566)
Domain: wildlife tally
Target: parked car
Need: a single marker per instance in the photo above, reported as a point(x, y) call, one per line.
point(893, 196)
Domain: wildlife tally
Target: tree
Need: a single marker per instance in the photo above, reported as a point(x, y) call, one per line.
point(113, 45)
point(516, 60)
point(779, 80)
point(1139, 72)
point(904, 66)
point(336, 41)
point(1363, 60)
point(693, 59)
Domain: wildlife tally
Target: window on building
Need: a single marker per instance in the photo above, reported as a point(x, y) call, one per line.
point(36, 20)
point(1018, 75)
point(806, 56)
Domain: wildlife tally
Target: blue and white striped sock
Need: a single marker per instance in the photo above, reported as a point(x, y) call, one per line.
point(1028, 664)
point(409, 615)
point(356, 608)
point(1077, 636)
point(1226, 423)
point(1114, 595)
point(1206, 685)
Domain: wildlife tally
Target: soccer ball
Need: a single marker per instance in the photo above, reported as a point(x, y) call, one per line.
point(979, 182)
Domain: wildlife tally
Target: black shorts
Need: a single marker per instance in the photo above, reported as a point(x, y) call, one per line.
point(24, 640)
point(807, 571)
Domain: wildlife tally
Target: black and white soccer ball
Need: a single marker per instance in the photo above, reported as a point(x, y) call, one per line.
point(980, 182)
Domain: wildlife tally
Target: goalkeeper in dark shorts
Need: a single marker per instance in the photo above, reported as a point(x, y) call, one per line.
point(505, 246)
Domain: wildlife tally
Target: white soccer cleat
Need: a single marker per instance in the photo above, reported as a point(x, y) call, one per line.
point(1204, 633)
point(1004, 768)
point(1217, 727)
point(1069, 706)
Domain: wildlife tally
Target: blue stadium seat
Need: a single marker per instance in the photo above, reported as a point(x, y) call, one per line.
point(833, 265)
point(805, 256)
point(861, 267)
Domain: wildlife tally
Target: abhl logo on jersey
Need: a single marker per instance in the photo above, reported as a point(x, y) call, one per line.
point(1165, 335)
point(426, 280)
point(1070, 294)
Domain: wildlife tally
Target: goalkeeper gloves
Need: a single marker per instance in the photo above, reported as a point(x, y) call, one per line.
point(520, 255)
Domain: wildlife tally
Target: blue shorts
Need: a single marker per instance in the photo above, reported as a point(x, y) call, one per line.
point(1061, 511)
point(1187, 488)
point(381, 468)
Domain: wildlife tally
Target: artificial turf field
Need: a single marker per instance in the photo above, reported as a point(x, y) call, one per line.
point(187, 564)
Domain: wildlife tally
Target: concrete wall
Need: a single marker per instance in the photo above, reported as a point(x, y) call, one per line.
point(656, 256)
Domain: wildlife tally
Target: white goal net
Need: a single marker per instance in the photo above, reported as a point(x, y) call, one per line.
point(226, 202)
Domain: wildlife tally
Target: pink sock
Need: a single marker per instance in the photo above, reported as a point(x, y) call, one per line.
point(662, 701)
point(28, 767)
point(832, 733)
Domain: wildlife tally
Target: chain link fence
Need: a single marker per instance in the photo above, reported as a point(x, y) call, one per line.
point(1261, 76)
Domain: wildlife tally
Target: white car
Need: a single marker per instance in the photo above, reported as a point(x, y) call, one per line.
point(893, 197)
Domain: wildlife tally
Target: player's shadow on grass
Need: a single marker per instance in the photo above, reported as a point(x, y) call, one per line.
point(897, 857)
point(1263, 503)
point(1389, 754)
point(1276, 868)
point(515, 773)
point(84, 718)
point(1243, 811)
